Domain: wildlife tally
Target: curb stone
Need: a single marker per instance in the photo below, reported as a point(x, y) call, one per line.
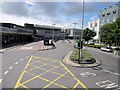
point(66, 60)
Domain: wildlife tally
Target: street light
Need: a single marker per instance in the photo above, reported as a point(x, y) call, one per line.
point(81, 36)
point(53, 30)
point(74, 31)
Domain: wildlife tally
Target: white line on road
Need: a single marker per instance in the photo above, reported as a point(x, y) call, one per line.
point(110, 72)
point(10, 67)
point(27, 57)
point(6, 72)
point(0, 81)
point(16, 62)
point(21, 60)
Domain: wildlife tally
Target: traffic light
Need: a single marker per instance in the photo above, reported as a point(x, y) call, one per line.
point(80, 44)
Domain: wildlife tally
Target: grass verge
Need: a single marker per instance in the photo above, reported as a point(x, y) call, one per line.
point(86, 56)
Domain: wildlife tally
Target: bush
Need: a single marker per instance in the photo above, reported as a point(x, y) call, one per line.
point(94, 46)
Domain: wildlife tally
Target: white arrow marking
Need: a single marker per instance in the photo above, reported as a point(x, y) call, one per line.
point(10, 67)
point(16, 62)
point(6, 72)
point(0, 81)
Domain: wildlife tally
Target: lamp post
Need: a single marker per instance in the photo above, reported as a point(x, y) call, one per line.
point(81, 36)
point(53, 30)
point(74, 31)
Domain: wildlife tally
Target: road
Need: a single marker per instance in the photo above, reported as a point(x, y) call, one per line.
point(25, 67)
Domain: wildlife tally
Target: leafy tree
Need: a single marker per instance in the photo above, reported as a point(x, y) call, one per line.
point(88, 34)
point(110, 33)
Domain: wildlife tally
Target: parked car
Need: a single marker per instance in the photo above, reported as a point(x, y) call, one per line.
point(107, 49)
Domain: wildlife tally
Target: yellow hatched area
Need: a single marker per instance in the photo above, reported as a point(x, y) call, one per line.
point(47, 73)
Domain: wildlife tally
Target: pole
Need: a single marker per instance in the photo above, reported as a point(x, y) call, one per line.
point(53, 31)
point(80, 39)
point(74, 31)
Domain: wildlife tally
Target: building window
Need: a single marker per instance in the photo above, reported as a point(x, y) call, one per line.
point(91, 25)
point(114, 11)
point(95, 24)
point(103, 15)
point(108, 13)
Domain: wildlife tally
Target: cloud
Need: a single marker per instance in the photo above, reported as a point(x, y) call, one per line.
point(94, 17)
point(21, 20)
point(15, 8)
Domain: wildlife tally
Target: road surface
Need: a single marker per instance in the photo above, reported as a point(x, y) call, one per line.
point(25, 67)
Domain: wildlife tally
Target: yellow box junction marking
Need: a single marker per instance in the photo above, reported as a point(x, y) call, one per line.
point(44, 62)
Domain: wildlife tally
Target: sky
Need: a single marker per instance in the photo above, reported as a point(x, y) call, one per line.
point(62, 14)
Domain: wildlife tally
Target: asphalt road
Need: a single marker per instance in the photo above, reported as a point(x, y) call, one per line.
point(18, 70)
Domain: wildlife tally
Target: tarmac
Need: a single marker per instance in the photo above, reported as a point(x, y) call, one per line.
point(67, 61)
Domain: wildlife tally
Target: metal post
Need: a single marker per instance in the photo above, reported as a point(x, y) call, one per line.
point(53, 31)
point(80, 39)
point(74, 31)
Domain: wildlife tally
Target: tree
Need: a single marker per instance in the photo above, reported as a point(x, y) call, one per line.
point(110, 33)
point(88, 34)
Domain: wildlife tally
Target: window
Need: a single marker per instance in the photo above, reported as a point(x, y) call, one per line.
point(103, 15)
point(108, 13)
point(114, 11)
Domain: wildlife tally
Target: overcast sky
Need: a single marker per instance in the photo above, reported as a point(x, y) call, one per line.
point(62, 14)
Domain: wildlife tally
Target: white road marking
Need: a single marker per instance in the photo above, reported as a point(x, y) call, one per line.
point(27, 57)
point(26, 47)
point(88, 74)
point(107, 84)
point(16, 62)
point(6, 72)
point(0, 81)
point(10, 67)
point(110, 72)
point(21, 60)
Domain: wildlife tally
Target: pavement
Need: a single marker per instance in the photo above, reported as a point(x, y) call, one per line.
point(35, 46)
point(66, 60)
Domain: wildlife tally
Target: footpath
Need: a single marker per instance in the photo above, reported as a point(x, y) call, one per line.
point(30, 46)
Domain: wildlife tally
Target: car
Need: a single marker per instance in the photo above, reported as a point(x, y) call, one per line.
point(107, 49)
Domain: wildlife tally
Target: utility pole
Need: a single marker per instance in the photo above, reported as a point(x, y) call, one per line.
point(81, 36)
point(53, 31)
point(74, 31)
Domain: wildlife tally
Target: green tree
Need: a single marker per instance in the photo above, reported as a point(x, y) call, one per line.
point(88, 34)
point(110, 33)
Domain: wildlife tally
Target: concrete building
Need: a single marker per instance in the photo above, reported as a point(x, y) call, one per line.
point(109, 15)
point(51, 31)
point(95, 25)
point(72, 33)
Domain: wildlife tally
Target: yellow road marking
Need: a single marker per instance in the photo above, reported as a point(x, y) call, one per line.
point(34, 61)
point(74, 76)
point(47, 80)
point(34, 67)
point(24, 86)
point(76, 85)
point(16, 85)
point(36, 76)
point(55, 80)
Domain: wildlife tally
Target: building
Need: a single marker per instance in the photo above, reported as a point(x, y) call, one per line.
point(51, 31)
point(95, 25)
point(109, 15)
point(72, 33)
